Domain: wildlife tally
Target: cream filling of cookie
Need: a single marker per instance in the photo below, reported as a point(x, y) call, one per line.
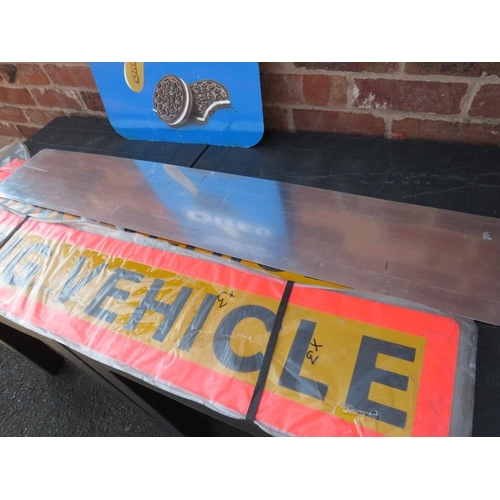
point(186, 103)
point(212, 106)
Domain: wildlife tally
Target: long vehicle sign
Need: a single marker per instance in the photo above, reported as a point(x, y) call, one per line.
point(342, 365)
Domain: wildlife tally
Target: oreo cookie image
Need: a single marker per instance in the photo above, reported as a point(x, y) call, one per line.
point(172, 100)
point(208, 97)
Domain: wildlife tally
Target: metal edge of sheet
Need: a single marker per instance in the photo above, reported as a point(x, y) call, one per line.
point(465, 376)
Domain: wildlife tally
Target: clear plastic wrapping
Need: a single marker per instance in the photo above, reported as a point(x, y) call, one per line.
point(9, 222)
point(199, 326)
point(12, 157)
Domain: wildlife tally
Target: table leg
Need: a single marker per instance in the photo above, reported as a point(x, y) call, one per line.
point(31, 348)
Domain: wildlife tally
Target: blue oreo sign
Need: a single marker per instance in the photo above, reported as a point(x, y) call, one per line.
point(199, 103)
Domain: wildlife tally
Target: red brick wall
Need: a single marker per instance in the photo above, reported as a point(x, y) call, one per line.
point(458, 102)
point(33, 94)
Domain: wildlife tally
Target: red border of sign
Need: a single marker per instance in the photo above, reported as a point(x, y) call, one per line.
point(234, 394)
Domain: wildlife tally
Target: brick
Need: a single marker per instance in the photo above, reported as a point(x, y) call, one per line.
point(5, 141)
point(93, 101)
point(274, 67)
point(72, 76)
point(23, 73)
point(9, 130)
point(320, 90)
point(9, 114)
point(401, 95)
point(42, 116)
point(275, 118)
point(486, 102)
point(442, 68)
point(8, 72)
point(311, 120)
point(374, 67)
point(473, 69)
point(31, 74)
point(316, 89)
point(339, 91)
point(489, 68)
point(437, 130)
point(56, 98)
point(85, 113)
point(281, 89)
point(15, 96)
point(26, 131)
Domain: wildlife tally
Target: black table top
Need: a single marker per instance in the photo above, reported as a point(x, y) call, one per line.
point(458, 177)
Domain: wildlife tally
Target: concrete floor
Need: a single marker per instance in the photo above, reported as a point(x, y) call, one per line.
point(34, 403)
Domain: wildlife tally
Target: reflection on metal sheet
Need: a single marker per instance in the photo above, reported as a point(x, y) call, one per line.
point(443, 259)
point(224, 215)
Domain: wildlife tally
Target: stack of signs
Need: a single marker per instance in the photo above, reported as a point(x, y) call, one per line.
point(200, 103)
point(296, 359)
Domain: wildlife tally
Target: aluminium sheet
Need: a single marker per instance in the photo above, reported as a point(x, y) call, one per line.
point(443, 259)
